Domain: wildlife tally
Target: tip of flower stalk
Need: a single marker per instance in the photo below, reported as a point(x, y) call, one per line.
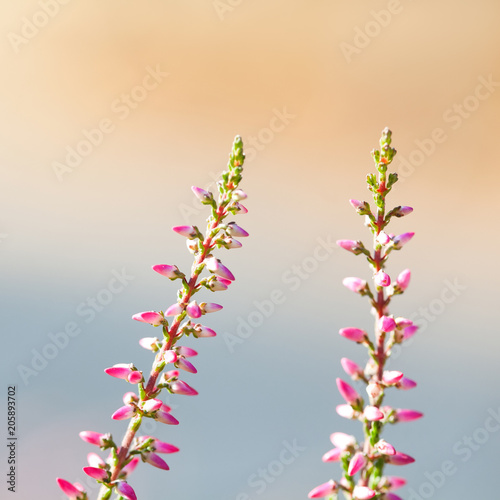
point(324, 490)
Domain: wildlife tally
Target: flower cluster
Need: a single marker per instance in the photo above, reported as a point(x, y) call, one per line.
point(363, 462)
point(179, 320)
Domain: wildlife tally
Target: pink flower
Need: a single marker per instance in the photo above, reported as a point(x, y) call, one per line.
point(402, 239)
point(187, 352)
point(406, 384)
point(385, 448)
point(150, 343)
point(203, 331)
point(202, 195)
point(392, 496)
point(332, 455)
point(215, 266)
point(171, 272)
point(383, 238)
point(374, 391)
point(403, 279)
point(386, 324)
point(354, 334)
point(180, 387)
point(395, 482)
point(210, 307)
point(348, 393)
point(356, 204)
point(382, 279)
point(151, 405)
point(159, 446)
point(125, 490)
point(123, 413)
point(345, 411)
point(151, 317)
point(240, 209)
point(400, 459)
point(163, 415)
point(350, 245)
point(73, 491)
point(155, 460)
point(235, 230)
point(372, 413)
point(174, 310)
point(391, 377)
point(356, 285)
point(351, 368)
point(94, 460)
point(193, 309)
point(342, 440)
point(94, 437)
point(96, 473)
point(238, 195)
point(185, 365)
point(219, 284)
point(187, 231)
point(404, 210)
point(126, 372)
point(323, 490)
point(357, 462)
point(403, 415)
point(363, 493)
point(409, 331)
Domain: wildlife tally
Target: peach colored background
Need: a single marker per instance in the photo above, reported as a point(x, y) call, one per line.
point(232, 72)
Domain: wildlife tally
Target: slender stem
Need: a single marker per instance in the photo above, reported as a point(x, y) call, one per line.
point(172, 333)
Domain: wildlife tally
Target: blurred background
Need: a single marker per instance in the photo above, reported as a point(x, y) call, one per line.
point(110, 111)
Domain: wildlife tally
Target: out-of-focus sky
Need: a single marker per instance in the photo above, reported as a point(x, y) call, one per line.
point(110, 111)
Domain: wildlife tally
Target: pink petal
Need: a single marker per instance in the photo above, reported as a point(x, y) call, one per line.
point(174, 310)
point(391, 377)
point(187, 231)
point(354, 284)
point(354, 334)
point(332, 455)
point(151, 317)
point(406, 384)
point(155, 460)
point(210, 307)
point(382, 279)
point(149, 343)
point(386, 324)
point(403, 279)
point(180, 387)
point(165, 418)
point(235, 230)
point(372, 413)
point(348, 393)
point(345, 411)
point(95, 460)
point(187, 352)
point(323, 490)
point(151, 405)
point(130, 467)
point(401, 459)
point(96, 473)
point(93, 438)
point(170, 272)
point(357, 462)
point(403, 415)
point(68, 489)
point(342, 440)
point(203, 331)
point(121, 370)
point(363, 493)
point(186, 365)
point(125, 490)
point(193, 309)
point(123, 413)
